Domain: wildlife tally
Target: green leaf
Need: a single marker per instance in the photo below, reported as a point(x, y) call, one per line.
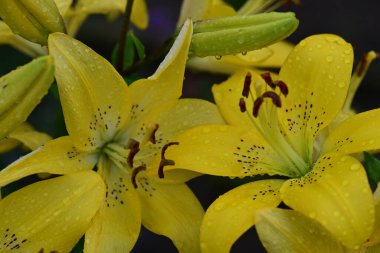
point(129, 52)
point(140, 49)
point(133, 48)
point(372, 166)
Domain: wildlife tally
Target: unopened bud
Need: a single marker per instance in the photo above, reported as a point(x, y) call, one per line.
point(237, 34)
point(21, 90)
point(32, 19)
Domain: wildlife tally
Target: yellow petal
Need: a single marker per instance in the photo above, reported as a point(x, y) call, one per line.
point(358, 133)
point(166, 83)
point(7, 144)
point(224, 151)
point(318, 73)
point(29, 137)
point(227, 96)
point(219, 9)
point(139, 14)
point(185, 114)
point(288, 231)
point(193, 9)
point(94, 97)
point(336, 193)
point(116, 226)
point(172, 211)
point(233, 213)
point(50, 216)
point(58, 156)
point(21, 91)
point(280, 51)
point(375, 237)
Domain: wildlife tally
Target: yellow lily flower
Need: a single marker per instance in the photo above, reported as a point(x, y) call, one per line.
point(73, 18)
point(121, 129)
point(269, 57)
point(278, 136)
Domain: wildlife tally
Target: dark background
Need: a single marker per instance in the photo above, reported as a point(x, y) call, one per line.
point(355, 21)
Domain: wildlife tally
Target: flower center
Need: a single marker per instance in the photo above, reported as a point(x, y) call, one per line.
point(264, 117)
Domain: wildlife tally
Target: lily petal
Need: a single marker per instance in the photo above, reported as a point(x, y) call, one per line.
point(50, 216)
point(233, 213)
point(336, 193)
point(288, 231)
point(193, 9)
point(58, 156)
point(166, 83)
point(224, 151)
point(29, 137)
point(63, 6)
point(317, 73)
point(187, 113)
point(116, 226)
point(358, 133)
point(172, 211)
point(227, 96)
point(94, 97)
point(139, 14)
point(375, 237)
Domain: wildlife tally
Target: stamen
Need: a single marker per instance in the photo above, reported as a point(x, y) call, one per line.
point(283, 87)
point(134, 146)
point(256, 106)
point(134, 174)
point(247, 84)
point(165, 162)
point(242, 105)
point(274, 96)
point(268, 79)
point(152, 138)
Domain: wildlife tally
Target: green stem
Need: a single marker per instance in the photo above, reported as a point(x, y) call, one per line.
point(123, 35)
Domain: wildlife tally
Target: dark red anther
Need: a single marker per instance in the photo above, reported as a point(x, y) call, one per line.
point(134, 174)
point(242, 105)
point(256, 106)
point(247, 84)
point(274, 96)
point(134, 147)
point(283, 87)
point(152, 137)
point(165, 162)
point(268, 79)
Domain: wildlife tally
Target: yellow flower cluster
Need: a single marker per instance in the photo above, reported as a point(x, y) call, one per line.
point(130, 149)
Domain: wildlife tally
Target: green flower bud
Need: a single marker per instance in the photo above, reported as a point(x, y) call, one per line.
point(239, 34)
point(32, 19)
point(21, 90)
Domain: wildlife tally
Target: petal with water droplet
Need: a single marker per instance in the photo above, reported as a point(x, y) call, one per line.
point(233, 213)
point(336, 193)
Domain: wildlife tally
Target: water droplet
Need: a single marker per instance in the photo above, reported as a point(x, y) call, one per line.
point(329, 58)
point(303, 43)
point(331, 76)
point(312, 215)
point(341, 84)
point(244, 53)
point(371, 142)
point(336, 213)
point(319, 46)
point(355, 167)
point(218, 57)
point(206, 130)
point(347, 51)
point(345, 183)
